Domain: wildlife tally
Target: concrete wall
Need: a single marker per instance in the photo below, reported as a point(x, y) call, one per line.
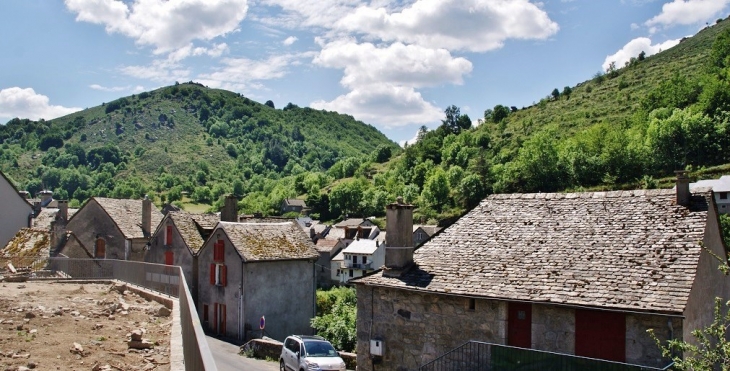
point(709, 282)
point(182, 256)
point(92, 221)
point(418, 328)
point(15, 212)
point(283, 292)
point(324, 272)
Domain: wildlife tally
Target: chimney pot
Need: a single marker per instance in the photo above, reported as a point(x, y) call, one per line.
point(683, 194)
point(399, 237)
point(230, 209)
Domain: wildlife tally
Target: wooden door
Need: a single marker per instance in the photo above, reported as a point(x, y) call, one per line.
point(519, 325)
point(600, 334)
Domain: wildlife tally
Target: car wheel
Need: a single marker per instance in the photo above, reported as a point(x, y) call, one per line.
point(281, 366)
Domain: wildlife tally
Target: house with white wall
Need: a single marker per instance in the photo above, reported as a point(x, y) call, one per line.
point(16, 212)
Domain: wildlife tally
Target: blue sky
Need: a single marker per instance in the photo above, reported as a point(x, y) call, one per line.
point(393, 64)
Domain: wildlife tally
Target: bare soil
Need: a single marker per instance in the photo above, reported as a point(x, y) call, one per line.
point(65, 326)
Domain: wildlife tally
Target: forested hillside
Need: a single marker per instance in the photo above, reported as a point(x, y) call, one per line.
point(182, 138)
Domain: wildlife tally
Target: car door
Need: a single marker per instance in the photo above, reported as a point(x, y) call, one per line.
point(289, 358)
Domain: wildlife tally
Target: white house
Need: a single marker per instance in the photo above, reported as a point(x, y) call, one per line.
point(721, 190)
point(16, 212)
point(360, 257)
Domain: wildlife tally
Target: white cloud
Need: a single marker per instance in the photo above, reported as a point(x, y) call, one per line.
point(164, 71)
point(397, 64)
point(26, 103)
point(240, 73)
point(289, 40)
point(473, 25)
point(385, 105)
point(686, 12)
point(108, 88)
point(165, 25)
point(634, 47)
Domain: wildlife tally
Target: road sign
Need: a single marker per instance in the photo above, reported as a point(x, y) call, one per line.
point(262, 323)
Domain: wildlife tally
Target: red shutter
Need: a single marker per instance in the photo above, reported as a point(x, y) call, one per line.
point(223, 319)
point(215, 318)
point(212, 274)
point(169, 257)
point(168, 236)
point(224, 279)
point(215, 251)
point(221, 253)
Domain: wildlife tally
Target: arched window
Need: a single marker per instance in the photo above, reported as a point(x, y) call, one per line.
point(100, 248)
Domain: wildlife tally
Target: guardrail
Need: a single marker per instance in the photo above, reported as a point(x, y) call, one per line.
point(477, 355)
point(165, 279)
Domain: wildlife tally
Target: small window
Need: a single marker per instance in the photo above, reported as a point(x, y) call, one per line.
point(100, 249)
point(205, 313)
point(723, 195)
point(169, 257)
point(218, 275)
point(168, 235)
point(472, 304)
point(350, 272)
point(219, 251)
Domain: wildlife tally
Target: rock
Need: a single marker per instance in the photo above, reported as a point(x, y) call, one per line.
point(136, 335)
point(26, 355)
point(118, 287)
point(112, 317)
point(75, 313)
point(29, 315)
point(31, 365)
point(163, 312)
point(33, 331)
point(22, 368)
point(143, 344)
point(77, 349)
point(19, 327)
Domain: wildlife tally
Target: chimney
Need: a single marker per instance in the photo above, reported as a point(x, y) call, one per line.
point(24, 194)
point(230, 209)
point(146, 216)
point(399, 237)
point(46, 197)
point(683, 195)
point(62, 215)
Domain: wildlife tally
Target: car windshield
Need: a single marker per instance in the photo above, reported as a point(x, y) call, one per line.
point(320, 349)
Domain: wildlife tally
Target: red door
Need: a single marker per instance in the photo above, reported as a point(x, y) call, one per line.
point(600, 335)
point(519, 325)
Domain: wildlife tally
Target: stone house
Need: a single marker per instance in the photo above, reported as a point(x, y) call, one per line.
point(292, 205)
point(252, 270)
point(421, 233)
point(16, 211)
point(721, 189)
point(354, 228)
point(327, 250)
point(112, 228)
point(578, 274)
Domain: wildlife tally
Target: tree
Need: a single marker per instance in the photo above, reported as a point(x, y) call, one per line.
point(555, 94)
point(436, 190)
point(336, 317)
point(499, 113)
point(383, 153)
point(642, 56)
point(269, 103)
point(567, 91)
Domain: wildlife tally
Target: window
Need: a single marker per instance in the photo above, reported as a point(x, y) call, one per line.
point(472, 304)
point(205, 313)
point(338, 273)
point(169, 257)
point(723, 195)
point(350, 272)
point(168, 235)
point(100, 248)
point(219, 251)
point(218, 275)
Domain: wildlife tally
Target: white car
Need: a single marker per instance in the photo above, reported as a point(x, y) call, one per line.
point(309, 353)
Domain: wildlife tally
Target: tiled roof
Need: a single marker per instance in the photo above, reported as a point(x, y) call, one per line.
point(351, 222)
point(631, 250)
point(429, 229)
point(335, 234)
point(362, 246)
point(29, 242)
point(46, 216)
point(127, 214)
point(190, 227)
point(270, 241)
point(295, 202)
point(326, 245)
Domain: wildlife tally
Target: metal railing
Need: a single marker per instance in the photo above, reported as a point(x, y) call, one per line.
point(165, 279)
point(481, 356)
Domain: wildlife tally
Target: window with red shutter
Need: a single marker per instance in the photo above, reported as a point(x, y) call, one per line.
point(212, 274)
point(215, 317)
point(218, 251)
point(223, 278)
point(223, 319)
point(169, 257)
point(168, 235)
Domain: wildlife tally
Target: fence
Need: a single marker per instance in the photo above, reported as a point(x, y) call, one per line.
point(168, 280)
point(480, 356)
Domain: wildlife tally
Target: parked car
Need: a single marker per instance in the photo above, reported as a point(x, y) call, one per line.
point(309, 353)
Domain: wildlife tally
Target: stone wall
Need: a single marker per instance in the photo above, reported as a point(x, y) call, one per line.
point(553, 328)
point(640, 347)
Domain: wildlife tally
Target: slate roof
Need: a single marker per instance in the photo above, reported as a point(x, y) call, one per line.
point(429, 229)
point(326, 245)
point(295, 202)
point(362, 246)
point(351, 222)
point(127, 214)
point(190, 227)
point(46, 216)
point(28, 242)
point(717, 185)
point(270, 241)
point(631, 250)
point(335, 234)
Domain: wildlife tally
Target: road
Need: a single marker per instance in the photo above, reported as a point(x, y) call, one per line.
point(227, 358)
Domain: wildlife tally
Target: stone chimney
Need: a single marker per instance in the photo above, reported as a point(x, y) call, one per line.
point(146, 216)
point(683, 195)
point(399, 237)
point(45, 196)
point(62, 215)
point(230, 209)
point(24, 194)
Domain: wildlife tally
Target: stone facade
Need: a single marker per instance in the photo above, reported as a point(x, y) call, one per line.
point(417, 328)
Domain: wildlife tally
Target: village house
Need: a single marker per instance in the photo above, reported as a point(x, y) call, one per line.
point(422, 232)
point(292, 205)
point(16, 211)
point(721, 188)
point(360, 258)
point(354, 228)
point(327, 250)
point(180, 235)
point(581, 274)
point(109, 228)
point(249, 271)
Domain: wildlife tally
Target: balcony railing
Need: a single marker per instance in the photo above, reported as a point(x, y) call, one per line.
point(480, 356)
point(359, 265)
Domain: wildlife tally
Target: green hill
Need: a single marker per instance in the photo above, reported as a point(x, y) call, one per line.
point(182, 138)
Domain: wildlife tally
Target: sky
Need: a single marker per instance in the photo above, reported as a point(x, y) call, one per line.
point(395, 65)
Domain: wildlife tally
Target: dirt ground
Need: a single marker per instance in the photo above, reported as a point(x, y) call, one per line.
point(65, 326)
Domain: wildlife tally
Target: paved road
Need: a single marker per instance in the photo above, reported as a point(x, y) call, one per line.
point(227, 358)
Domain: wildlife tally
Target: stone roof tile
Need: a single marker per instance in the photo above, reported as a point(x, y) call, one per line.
point(270, 241)
point(127, 214)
